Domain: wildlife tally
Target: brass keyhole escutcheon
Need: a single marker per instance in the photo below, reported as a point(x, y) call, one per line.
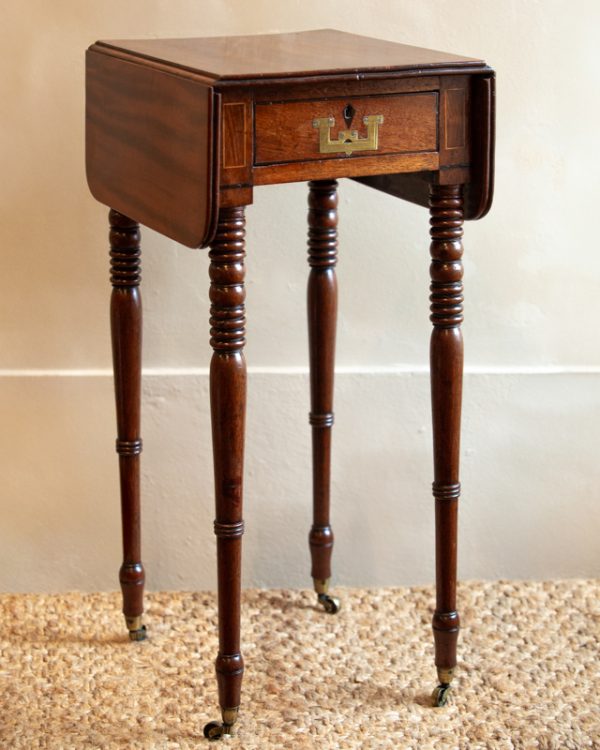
point(348, 141)
point(348, 114)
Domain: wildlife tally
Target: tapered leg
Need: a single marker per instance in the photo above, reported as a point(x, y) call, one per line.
point(228, 412)
point(126, 330)
point(322, 314)
point(446, 359)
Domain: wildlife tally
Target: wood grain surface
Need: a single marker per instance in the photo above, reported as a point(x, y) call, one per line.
point(321, 51)
point(150, 147)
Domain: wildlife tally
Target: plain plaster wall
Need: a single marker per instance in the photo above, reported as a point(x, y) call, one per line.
point(531, 476)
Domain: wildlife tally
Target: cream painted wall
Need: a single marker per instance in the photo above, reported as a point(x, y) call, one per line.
point(532, 273)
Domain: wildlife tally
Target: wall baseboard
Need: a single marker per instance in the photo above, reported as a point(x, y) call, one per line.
point(400, 369)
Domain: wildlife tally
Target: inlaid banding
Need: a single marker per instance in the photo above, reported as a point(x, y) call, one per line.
point(229, 530)
point(446, 491)
point(129, 447)
point(321, 420)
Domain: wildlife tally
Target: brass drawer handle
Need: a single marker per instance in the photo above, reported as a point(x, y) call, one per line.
point(348, 140)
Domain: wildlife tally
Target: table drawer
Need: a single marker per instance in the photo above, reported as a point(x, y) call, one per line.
point(350, 127)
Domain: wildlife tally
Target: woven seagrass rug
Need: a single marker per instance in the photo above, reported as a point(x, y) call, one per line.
point(529, 671)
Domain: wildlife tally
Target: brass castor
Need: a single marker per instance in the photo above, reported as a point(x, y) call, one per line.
point(331, 604)
point(214, 730)
point(439, 696)
point(137, 631)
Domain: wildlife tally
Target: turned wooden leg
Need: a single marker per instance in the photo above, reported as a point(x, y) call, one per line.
point(446, 358)
point(126, 330)
point(322, 314)
point(228, 412)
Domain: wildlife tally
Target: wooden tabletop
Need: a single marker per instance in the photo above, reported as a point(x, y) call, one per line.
point(158, 110)
point(324, 51)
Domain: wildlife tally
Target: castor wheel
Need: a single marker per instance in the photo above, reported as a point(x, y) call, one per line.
point(439, 697)
point(331, 604)
point(138, 635)
point(137, 631)
point(214, 730)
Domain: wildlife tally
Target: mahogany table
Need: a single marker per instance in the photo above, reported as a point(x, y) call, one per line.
point(179, 132)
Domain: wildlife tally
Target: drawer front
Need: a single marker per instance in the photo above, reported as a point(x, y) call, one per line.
point(346, 128)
